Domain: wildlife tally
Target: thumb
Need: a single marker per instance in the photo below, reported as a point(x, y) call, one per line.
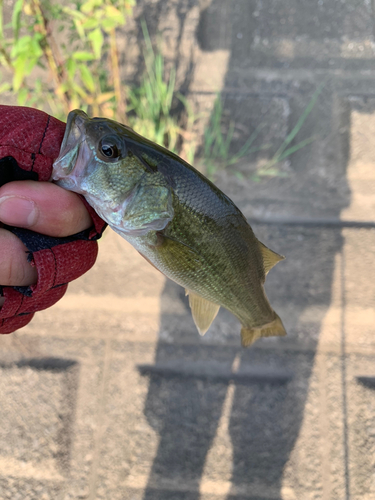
point(43, 207)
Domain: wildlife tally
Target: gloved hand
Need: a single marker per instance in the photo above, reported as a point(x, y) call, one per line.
point(39, 266)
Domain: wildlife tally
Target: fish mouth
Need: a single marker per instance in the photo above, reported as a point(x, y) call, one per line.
point(73, 156)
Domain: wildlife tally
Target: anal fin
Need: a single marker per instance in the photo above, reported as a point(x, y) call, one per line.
point(203, 311)
point(250, 335)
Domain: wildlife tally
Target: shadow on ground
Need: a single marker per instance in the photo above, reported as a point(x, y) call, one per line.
point(190, 379)
point(185, 405)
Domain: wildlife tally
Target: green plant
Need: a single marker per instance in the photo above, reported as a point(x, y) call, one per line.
point(83, 70)
point(217, 144)
point(284, 151)
point(150, 103)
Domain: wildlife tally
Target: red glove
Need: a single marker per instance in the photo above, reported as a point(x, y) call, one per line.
point(29, 144)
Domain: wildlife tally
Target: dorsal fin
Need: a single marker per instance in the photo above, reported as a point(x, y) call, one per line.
point(270, 258)
point(203, 311)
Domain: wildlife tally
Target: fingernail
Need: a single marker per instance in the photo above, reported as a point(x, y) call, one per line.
point(16, 211)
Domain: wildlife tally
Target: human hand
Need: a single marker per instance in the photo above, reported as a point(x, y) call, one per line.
point(39, 255)
point(42, 207)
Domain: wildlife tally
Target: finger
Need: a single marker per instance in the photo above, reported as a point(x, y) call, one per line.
point(14, 268)
point(43, 207)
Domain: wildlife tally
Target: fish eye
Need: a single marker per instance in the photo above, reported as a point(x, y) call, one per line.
point(109, 151)
point(110, 148)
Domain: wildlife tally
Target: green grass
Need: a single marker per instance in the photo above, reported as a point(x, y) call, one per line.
point(217, 144)
point(284, 151)
point(150, 103)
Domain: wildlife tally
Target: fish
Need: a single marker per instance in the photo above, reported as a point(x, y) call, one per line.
point(176, 218)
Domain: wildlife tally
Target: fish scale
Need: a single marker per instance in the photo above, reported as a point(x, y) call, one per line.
point(175, 217)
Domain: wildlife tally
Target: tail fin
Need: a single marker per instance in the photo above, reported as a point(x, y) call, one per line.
point(250, 335)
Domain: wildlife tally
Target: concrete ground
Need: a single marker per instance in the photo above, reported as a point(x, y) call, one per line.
point(112, 394)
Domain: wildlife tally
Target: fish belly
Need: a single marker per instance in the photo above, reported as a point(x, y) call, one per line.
point(246, 299)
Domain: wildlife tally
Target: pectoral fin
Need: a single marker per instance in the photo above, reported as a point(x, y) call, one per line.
point(147, 208)
point(270, 258)
point(250, 335)
point(203, 311)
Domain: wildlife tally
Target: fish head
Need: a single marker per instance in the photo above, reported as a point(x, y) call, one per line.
point(94, 159)
point(105, 162)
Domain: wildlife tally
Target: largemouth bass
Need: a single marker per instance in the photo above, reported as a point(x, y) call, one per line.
point(175, 217)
